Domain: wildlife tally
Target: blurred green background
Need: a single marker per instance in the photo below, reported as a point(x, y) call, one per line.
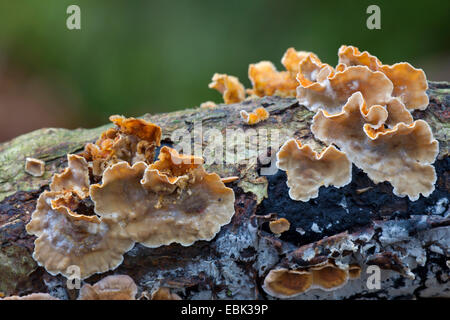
point(133, 57)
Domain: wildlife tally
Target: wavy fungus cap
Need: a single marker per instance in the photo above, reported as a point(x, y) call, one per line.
point(285, 283)
point(267, 81)
point(169, 201)
point(323, 88)
point(115, 287)
point(230, 87)
point(140, 128)
point(401, 155)
point(292, 58)
point(74, 178)
point(132, 140)
point(32, 296)
point(329, 276)
point(65, 238)
point(258, 115)
point(410, 84)
point(279, 226)
point(307, 171)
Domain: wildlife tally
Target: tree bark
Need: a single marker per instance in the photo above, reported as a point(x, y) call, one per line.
point(361, 223)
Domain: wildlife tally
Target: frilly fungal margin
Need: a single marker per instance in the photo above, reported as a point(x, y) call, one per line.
point(172, 200)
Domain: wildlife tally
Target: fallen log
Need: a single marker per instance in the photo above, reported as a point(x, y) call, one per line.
point(362, 223)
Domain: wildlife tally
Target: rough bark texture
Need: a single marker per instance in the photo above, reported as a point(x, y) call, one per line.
point(408, 240)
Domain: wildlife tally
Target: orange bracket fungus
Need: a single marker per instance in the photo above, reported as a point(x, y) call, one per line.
point(132, 140)
point(66, 238)
point(231, 89)
point(285, 283)
point(307, 171)
point(322, 88)
point(116, 287)
point(292, 58)
point(35, 167)
point(279, 226)
point(260, 114)
point(172, 200)
point(74, 178)
point(401, 155)
point(267, 81)
point(329, 277)
point(410, 84)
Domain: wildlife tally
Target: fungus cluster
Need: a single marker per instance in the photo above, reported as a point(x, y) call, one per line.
point(401, 155)
point(132, 140)
point(409, 83)
point(116, 194)
point(286, 283)
point(265, 78)
point(363, 107)
point(91, 225)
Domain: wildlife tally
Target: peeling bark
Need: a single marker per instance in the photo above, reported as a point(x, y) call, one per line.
point(361, 223)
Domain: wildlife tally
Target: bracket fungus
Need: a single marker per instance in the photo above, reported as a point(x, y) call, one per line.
point(172, 200)
point(65, 237)
point(307, 171)
point(279, 226)
point(230, 87)
point(268, 81)
point(132, 140)
point(401, 155)
point(260, 114)
point(75, 178)
point(410, 84)
point(285, 283)
point(35, 167)
point(320, 87)
point(116, 287)
point(292, 58)
point(329, 276)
